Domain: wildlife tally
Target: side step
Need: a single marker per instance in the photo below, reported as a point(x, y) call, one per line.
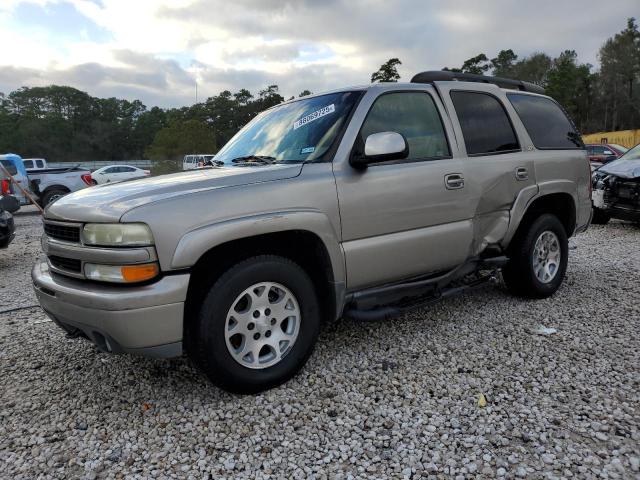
point(432, 291)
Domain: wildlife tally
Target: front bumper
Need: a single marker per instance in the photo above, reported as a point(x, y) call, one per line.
point(144, 319)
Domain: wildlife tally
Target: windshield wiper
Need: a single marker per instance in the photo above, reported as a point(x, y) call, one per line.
point(262, 159)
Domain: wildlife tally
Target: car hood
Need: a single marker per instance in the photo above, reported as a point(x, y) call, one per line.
point(107, 203)
point(622, 168)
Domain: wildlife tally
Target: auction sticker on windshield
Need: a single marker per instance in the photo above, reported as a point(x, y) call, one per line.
point(314, 116)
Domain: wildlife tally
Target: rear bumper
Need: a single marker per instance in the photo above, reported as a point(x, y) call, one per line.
point(145, 319)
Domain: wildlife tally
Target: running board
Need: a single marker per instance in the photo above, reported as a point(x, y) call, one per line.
point(390, 311)
point(388, 301)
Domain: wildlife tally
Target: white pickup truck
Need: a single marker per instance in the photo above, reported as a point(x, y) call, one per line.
point(49, 184)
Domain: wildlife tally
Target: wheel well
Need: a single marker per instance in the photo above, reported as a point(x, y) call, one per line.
point(303, 247)
point(55, 187)
point(559, 204)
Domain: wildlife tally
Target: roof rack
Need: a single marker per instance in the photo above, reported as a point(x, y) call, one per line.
point(446, 75)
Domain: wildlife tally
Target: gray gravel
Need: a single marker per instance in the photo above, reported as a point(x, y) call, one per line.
point(392, 399)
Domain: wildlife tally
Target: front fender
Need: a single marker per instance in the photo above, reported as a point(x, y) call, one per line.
point(197, 242)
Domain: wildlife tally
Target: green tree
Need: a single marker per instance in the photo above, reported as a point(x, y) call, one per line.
point(305, 93)
point(180, 138)
point(388, 72)
point(571, 84)
point(478, 64)
point(619, 79)
point(503, 64)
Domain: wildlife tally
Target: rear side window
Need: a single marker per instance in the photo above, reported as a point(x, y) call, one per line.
point(547, 125)
point(9, 166)
point(485, 124)
point(28, 163)
point(414, 115)
point(39, 164)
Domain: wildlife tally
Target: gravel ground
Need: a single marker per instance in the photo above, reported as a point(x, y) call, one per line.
point(391, 399)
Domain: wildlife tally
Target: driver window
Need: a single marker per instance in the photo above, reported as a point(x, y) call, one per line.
point(414, 115)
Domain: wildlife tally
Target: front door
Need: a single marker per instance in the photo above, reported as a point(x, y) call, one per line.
point(406, 218)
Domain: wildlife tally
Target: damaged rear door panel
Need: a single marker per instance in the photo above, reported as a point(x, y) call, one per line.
point(499, 164)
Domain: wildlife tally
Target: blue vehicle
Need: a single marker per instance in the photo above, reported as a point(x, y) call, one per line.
point(14, 165)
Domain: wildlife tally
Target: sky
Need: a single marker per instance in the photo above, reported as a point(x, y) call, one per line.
point(158, 50)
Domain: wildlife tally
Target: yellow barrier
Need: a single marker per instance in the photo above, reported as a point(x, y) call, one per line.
point(626, 138)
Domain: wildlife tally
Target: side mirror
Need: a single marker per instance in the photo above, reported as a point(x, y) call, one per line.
point(382, 147)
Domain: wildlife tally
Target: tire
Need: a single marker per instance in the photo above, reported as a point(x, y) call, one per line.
point(52, 195)
point(220, 354)
point(600, 217)
point(520, 274)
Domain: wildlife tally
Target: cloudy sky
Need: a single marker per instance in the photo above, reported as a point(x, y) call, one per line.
point(155, 50)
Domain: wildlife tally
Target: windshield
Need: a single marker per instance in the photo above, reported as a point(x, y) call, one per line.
point(294, 132)
point(9, 167)
point(633, 154)
point(620, 148)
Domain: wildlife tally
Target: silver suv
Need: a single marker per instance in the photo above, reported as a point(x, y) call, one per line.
point(360, 203)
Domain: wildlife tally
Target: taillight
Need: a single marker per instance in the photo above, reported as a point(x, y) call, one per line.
point(5, 187)
point(86, 178)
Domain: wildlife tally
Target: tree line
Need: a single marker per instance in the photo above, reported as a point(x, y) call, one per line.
point(61, 123)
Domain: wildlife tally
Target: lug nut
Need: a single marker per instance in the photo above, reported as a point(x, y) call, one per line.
point(250, 326)
point(256, 314)
point(267, 333)
point(267, 312)
point(273, 321)
point(256, 336)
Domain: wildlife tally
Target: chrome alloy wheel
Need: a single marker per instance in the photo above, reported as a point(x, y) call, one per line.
point(262, 325)
point(546, 256)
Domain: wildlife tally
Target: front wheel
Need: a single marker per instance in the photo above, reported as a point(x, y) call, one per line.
point(538, 258)
point(257, 325)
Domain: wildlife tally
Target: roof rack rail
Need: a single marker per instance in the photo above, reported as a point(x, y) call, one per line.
point(447, 75)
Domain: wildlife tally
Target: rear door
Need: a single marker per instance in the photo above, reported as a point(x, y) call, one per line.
point(497, 156)
point(408, 217)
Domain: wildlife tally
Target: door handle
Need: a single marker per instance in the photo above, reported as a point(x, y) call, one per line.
point(453, 181)
point(522, 174)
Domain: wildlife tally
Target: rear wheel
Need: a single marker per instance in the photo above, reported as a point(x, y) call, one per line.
point(600, 217)
point(257, 325)
point(52, 195)
point(538, 258)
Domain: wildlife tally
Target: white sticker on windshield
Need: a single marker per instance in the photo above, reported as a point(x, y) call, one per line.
point(314, 116)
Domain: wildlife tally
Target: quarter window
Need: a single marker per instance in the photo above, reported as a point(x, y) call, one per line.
point(485, 124)
point(412, 114)
point(547, 125)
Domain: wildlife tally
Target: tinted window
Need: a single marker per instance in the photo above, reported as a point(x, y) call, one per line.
point(40, 163)
point(414, 115)
point(485, 125)
point(28, 163)
point(9, 166)
point(546, 123)
point(111, 170)
point(127, 169)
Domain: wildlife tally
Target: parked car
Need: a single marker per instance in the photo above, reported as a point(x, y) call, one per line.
point(601, 153)
point(118, 173)
point(8, 205)
point(49, 184)
point(190, 162)
point(14, 166)
point(34, 164)
point(616, 189)
point(370, 201)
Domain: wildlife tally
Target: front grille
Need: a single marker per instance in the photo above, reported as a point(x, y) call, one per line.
point(68, 233)
point(69, 264)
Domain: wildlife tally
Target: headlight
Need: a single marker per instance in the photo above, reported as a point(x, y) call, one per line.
point(117, 234)
point(121, 273)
